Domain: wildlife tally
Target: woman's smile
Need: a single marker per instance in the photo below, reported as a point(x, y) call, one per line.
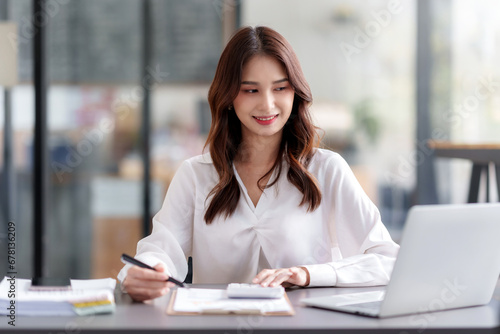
point(266, 120)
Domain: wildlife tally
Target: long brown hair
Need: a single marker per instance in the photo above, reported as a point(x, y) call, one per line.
point(224, 139)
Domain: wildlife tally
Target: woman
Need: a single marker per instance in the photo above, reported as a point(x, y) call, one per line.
point(265, 205)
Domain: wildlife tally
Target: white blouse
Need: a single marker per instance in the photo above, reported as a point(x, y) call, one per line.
point(342, 243)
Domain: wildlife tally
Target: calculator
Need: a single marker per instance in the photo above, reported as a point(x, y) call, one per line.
point(243, 290)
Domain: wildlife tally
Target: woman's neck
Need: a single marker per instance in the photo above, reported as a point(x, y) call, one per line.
point(259, 151)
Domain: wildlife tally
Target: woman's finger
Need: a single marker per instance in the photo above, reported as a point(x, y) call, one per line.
point(280, 277)
point(262, 275)
point(275, 277)
point(142, 294)
point(144, 284)
point(141, 283)
point(146, 274)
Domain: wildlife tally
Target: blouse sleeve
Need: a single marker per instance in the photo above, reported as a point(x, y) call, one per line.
point(367, 252)
point(171, 239)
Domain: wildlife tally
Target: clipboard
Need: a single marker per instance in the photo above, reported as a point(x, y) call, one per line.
point(215, 311)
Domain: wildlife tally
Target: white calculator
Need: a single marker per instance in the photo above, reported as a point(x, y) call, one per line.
point(243, 290)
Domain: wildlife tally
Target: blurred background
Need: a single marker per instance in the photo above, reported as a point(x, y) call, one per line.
point(386, 76)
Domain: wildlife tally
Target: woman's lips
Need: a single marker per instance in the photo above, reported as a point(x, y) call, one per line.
point(265, 120)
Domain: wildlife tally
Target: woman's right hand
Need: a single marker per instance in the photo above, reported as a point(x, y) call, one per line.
point(143, 284)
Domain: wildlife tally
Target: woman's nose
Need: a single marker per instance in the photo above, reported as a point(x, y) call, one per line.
point(267, 102)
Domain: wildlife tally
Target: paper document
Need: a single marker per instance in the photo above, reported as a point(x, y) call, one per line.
point(85, 297)
point(216, 300)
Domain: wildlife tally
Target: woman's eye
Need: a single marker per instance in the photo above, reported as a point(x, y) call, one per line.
point(251, 90)
point(280, 88)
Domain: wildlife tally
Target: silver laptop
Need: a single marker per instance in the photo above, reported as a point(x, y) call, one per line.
point(449, 258)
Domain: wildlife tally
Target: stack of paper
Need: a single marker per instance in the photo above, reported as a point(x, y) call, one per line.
point(86, 297)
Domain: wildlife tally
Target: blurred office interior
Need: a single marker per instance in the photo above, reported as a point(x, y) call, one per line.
point(364, 61)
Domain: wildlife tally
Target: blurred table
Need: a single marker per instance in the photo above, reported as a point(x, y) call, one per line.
point(481, 156)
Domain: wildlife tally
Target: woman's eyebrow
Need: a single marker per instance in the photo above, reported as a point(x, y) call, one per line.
point(256, 83)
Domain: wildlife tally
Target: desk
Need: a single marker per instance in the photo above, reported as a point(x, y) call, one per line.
point(481, 156)
point(151, 318)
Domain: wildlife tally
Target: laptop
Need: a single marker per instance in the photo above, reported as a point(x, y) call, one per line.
point(449, 258)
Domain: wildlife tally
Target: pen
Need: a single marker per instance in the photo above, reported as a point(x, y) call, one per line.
point(130, 260)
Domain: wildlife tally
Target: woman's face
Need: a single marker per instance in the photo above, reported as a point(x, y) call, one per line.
point(265, 99)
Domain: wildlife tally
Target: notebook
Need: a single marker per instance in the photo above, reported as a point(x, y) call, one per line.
point(449, 258)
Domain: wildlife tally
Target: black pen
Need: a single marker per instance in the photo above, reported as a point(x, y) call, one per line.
point(130, 260)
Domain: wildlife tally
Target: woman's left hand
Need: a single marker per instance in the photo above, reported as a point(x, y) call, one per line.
point(285, 276)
